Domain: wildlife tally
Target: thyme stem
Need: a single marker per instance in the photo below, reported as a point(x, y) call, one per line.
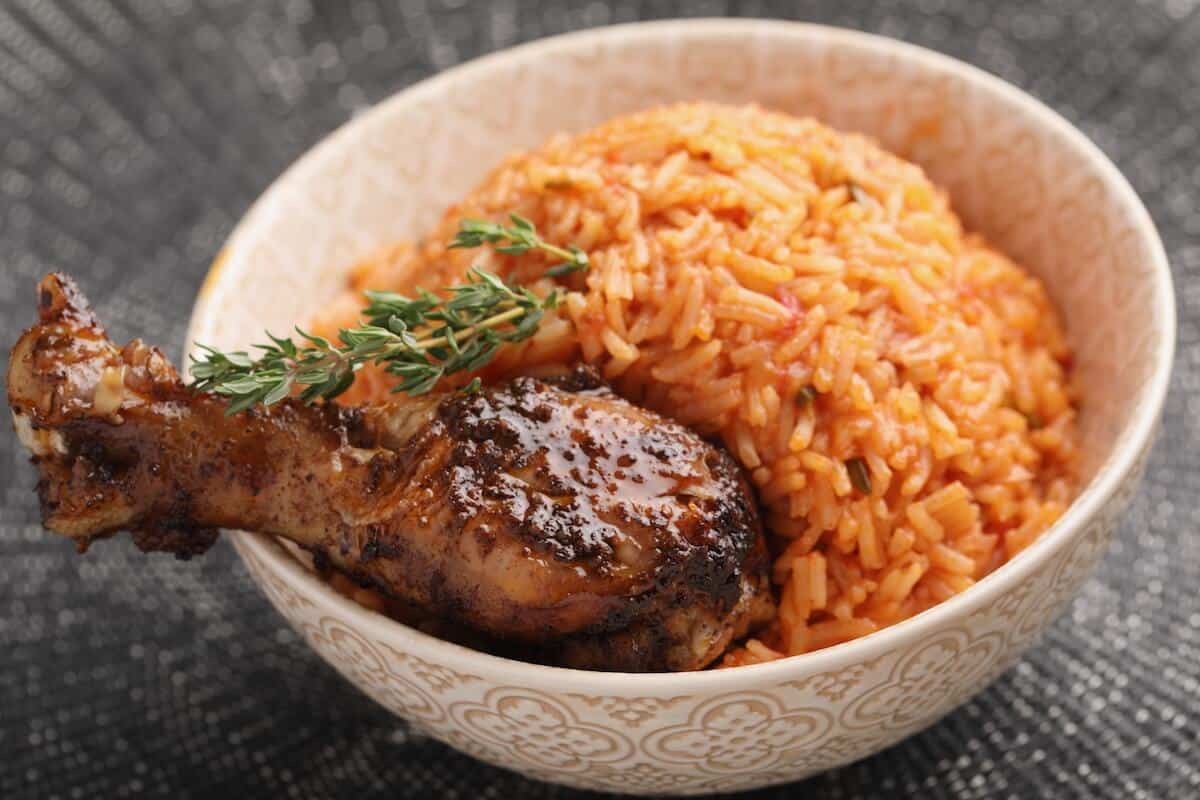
point(419, 340)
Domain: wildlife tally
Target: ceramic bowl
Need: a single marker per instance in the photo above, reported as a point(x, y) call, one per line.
point(1016, 171)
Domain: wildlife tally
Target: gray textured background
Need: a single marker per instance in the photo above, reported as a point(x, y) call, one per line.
point(132, 136)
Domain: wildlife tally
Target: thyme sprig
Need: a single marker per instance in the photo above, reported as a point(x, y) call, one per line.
point(516, 239)
point(418, 339)
point(859, 473)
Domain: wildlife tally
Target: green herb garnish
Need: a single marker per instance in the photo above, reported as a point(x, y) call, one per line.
point(518, 238)
point(860, 476)
point(419, 340)
point(805, 396)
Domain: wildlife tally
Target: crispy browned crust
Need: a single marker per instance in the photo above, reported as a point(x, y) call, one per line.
point(552, 516)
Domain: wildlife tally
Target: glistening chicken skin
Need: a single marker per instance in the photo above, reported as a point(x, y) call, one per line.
point(548, 514)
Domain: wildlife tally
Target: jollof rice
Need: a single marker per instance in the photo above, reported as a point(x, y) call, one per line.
point(897, 390)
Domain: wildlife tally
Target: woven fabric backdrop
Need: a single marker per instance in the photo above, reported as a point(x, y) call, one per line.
point(133, 135)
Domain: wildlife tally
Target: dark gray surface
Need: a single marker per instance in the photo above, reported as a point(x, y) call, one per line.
point(132, 136)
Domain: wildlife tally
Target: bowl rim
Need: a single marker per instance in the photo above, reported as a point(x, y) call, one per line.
point(1137, 433)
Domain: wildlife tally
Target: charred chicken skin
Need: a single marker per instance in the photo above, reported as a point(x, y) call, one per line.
point(548, 514)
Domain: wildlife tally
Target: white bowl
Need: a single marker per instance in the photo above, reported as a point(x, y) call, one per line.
point(1016, 171)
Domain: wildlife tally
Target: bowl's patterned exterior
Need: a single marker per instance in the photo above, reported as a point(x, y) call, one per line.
point(1015, 171)
point(761, 729)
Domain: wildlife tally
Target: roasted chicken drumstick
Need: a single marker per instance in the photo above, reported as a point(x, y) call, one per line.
point(547, 514)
